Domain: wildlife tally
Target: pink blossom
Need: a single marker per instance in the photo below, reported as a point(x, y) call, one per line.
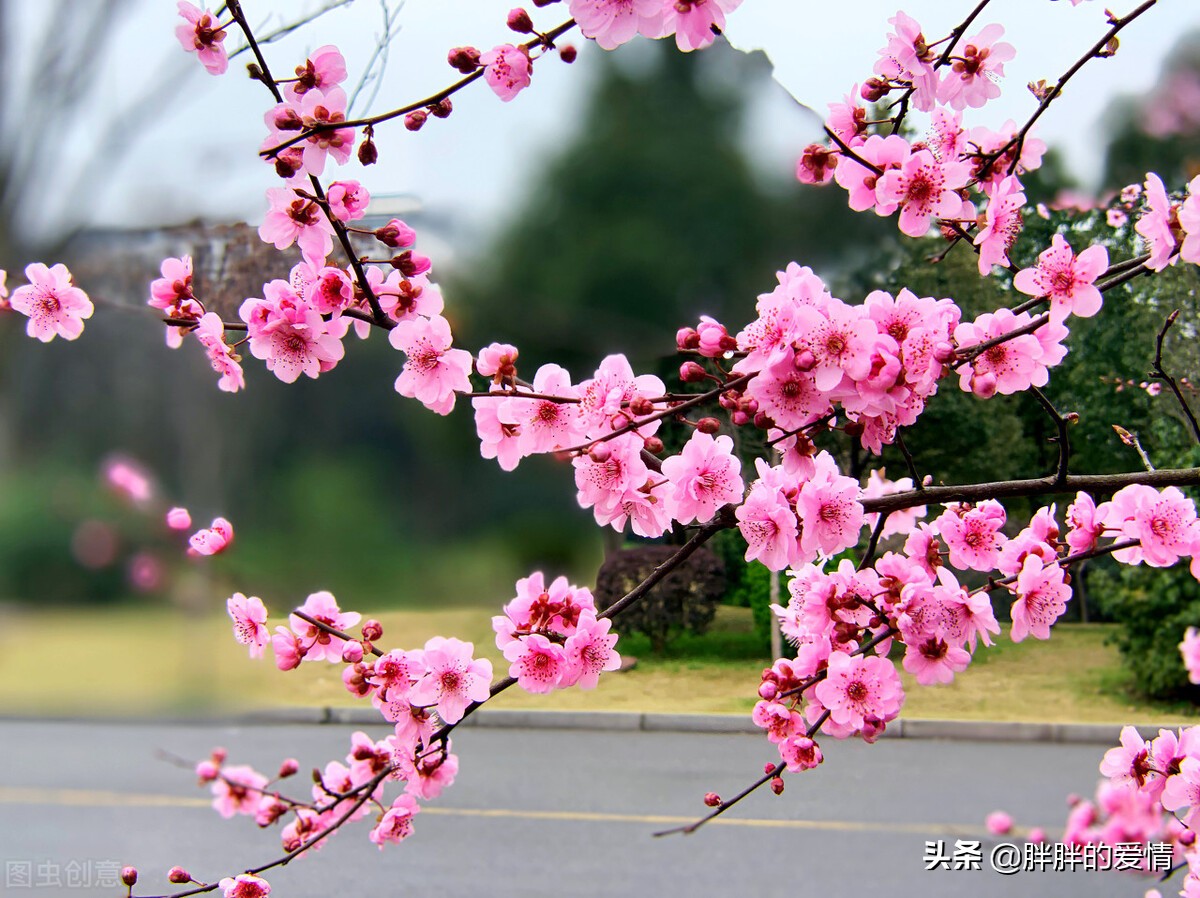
point(789, 397)
point(288, 648)
point(695, 23)
point(590, 650)
point(325, 68)
point(244, 885)
point(290, 335)
point(201, 34)
point(327, 289)
point(923, 188)
point(211, 334)
point(1116, 218)
point(1183, 791)
point(249, 622)
point(237, 790)
point(605, 481)
point(1129, 765)
point(1164, 523)
point(348, 200)
point(396, 671)
point(545, 425)
point(1042, 598)
point(800, 753)
point(859, 182)
point(294, 219)
point(174, 288)
point(999, 823)
point(396, 823)
point(179, 519)
point(973, 534)
point(829, 509)
point(841, 339)
point(433, 371)
point(614, 22)
point(325, 107)
point(213, 540)
point(498, 361)
point(933, 660)
point(431, 773)
point(778, 720)
point(1086, 522)
point(1006, 368)
point(1190, 649)
point(538, 664)
point(1002, 223)
point(860, 687)
point(454, 678)
point(317, 643)
point(507, 70)
point(1067, 280)
point(1154, 225)
point(976, 68)
point(53, 305)
point(907, 58)
point(496, 439)
point(702, 478)
point(1189, 222)
point(768, 524)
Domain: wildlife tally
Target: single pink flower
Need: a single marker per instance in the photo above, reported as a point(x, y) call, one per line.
point(614, 22)
point(860, 687)
point(1086, 522)
point(1131, 764)
point(179, 519)
point(319, 644)
point(237, 790)
point(538, 664)
point(1183, 791)
point(454, 678)
point(1002, 223)
point(830, 513)
point(396, 824)
point(768, 524)
point(174, 288)
point(908, 59)
point(1189, 222)
point(348, 200)
point(211, 334)
point(977, 65)
point(496, 439)
point(1067, 280)
point(213, 540)
point(433, 371)
point(1164, 523)
point(507, 70)
point(53, 305)
point(800, 753)
point(244, 885)
point(695, 23)
point(1042, 598)
point(294, 219)
point(201, 34)
point(999, 823)
point(288, 648)
point(702, 478)
point(590, 651)
point(973, 534)
point(1154, 225)
point(249, 622)
point(324, 69)
point(923, 188)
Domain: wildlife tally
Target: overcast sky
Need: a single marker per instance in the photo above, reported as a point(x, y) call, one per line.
point(198, 157)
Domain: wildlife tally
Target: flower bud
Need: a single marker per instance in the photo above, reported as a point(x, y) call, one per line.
point(178, 875)
point(287, 119)
point(763, 421)
point(708, 425)
point(874, 89)
point(540, 3)
point(286, 165)
point(442, 108)
point(804, 360)
point(372, 630)
point(207, 771)
point(415, 120)
point(288, 767)
point(740, 418)
point(712, 799)
point(396, 233)
point(984, 385)
point(767, 768)
point(367, 154)
point(767, 691)
point(691, 372)
point(352, 652)
point(687, 338)
point(600, 453)
point(1187, 838)
point(641, 406)
point(519, 21)
point(567, 53)
point(777, 785)
point(465, 59)
point(654, 445)
point(129, 875)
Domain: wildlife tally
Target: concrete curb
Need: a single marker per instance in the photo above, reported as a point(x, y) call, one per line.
point(966, 730)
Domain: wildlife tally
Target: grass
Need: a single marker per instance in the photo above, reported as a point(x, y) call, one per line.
point(133, 660)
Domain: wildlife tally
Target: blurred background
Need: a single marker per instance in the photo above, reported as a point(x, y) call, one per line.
point(620, 199)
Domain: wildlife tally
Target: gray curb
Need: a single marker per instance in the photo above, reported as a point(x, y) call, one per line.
point(976, 730)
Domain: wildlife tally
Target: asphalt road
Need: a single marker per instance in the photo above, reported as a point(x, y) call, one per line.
point(549, 812)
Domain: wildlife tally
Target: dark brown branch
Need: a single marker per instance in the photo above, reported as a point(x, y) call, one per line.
point(1159, 373)
point(1064, 442)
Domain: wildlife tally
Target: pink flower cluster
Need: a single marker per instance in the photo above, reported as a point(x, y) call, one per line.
point(552, 638)
point(313, 100)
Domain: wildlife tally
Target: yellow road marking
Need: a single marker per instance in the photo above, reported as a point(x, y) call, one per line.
point(99, 798)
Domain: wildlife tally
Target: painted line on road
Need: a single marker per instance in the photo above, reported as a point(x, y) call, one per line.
point(101, 799)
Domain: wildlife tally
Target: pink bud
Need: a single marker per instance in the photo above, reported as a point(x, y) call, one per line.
point(691, 372)
point(1037, 834)
point(178, 875)
point(740, 418)
point(999, 823)
point(207, 771)
point(708, 425)
point(874, 89)
point(372, 630)
point(777, 785)
point(415, 120)
point(641, 406)
point(219, 755)
point(767, 768)
point(442, 108)
point(179, 519)
point(465, 59)
point(1186, 838)
point(687, 338)
point(768, 691)
point(396, 233)
point(654, 445)
point(352, 652)
point(984, 385)
point(600, 453)
point(713, 800)
point(288, 767)
point(129, 875)
point(567, 53)
point(804, 360)
point(519, 21)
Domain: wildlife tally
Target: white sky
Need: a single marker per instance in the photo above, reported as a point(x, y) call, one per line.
point(198, 158)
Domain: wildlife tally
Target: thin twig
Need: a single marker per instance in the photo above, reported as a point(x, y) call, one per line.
point(1159, 373)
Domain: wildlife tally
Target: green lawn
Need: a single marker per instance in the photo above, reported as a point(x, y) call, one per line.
point(140, 660)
